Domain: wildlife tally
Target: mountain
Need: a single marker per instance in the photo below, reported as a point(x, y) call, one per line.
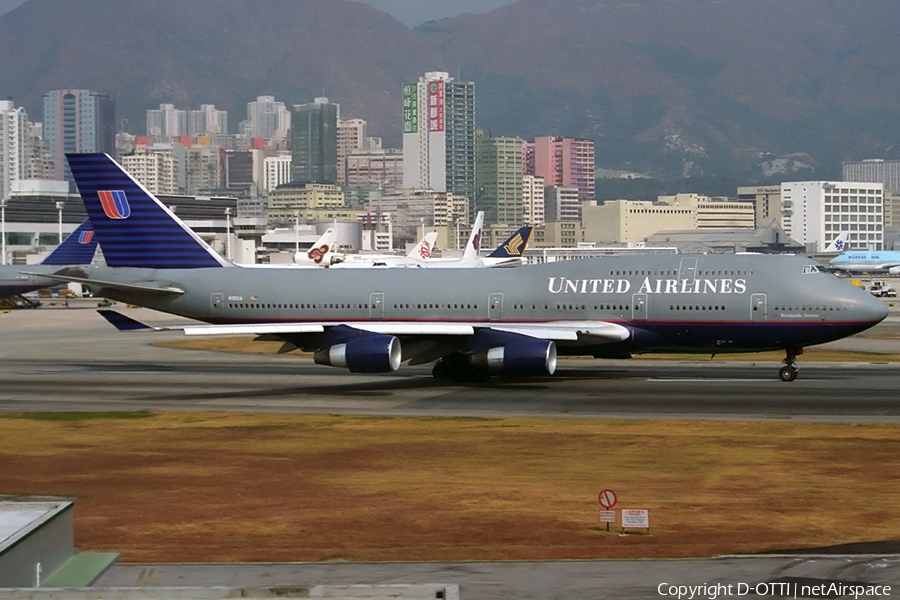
point(752, 88)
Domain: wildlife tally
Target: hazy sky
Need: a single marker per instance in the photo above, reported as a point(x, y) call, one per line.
point(409, 12)
point(416, 12)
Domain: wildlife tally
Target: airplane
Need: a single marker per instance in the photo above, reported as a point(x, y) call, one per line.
point(512, 251)
point(866, 261)
point(472, 323)
point(838, 244)
point(419, 252)
point(321, 253)
point(77, 249)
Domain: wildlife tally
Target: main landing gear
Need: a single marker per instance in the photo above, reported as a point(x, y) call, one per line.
point(789, 371)
point(456, 367)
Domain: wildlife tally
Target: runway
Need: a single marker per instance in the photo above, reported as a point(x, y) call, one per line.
point(71, 359)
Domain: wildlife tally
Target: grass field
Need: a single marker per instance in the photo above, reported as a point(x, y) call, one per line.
point(200, 487)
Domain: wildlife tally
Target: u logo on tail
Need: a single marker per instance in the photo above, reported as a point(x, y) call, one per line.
point(115, 204)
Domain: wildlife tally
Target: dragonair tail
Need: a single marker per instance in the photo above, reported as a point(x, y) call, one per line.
point(423, 250)
point(473, 246)
point(838, 244)
point(77, 249)
point(132, 226)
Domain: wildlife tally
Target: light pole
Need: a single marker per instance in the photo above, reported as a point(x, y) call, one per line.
point(228, 232)
point(296, 231)
point(59, 207)
point(3, 230)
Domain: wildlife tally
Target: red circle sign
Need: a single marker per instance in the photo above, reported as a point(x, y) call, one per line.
point(607, 499)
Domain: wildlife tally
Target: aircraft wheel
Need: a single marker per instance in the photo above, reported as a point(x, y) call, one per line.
point(788, 373)
point(441, 371)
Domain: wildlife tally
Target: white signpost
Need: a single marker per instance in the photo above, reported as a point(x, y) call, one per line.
point(607, 516)
point(607, 499)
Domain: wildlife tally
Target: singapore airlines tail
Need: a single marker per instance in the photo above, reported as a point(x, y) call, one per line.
point(134, 228)
point(515, 245)
point(77, 249)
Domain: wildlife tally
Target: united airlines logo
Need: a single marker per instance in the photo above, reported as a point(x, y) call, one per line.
point(513, 246)
point(317, 255)
point(85, 237)
point(115, 204)
point(562, 285)
point(425, 250)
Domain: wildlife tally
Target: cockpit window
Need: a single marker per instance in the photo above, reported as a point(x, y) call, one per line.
point(807, 269)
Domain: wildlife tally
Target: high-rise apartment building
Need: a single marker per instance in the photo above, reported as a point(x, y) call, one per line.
point(168, 122)
point(380, 169)
point(565, 162)
point(277, 170)
point(351, 137)
point(267, 118)
point(815, 212)
point(78, 121)
point(533, 200)
point(13, 146)
point(155, 170)
point(561, 203)
point(439, 134)
point(498, 167)
point(874, 170)
point(314, 140)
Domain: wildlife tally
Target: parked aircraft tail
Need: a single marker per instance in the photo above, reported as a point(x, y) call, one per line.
point(423, 250)
point(838, 244)
point(321, 253)
point(473, 246)
point(514, 246)
point(133, 227)
point(77, 249)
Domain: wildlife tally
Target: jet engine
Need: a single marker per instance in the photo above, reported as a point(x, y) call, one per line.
point(366, 354)
point(521, 357)
point(894, 271)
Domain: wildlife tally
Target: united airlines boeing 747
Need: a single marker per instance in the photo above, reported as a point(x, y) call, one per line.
point(469, 322)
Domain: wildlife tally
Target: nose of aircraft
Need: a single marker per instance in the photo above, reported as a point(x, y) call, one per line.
point(870, 309)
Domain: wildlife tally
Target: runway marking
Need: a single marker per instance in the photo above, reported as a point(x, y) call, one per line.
point(709, 380)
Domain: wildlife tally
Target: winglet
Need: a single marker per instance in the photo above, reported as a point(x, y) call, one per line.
point(121, 322)
point(77, 249)
point(133, 227)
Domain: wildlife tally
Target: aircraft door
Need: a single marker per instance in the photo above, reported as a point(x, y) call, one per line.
point(217, 303)
point(376, 305)
point(639, 307)
point(758, 307)
point(688, 268)
point(495, 306)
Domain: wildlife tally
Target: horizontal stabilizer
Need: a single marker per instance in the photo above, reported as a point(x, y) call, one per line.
point(121, 322)
point(97, 284)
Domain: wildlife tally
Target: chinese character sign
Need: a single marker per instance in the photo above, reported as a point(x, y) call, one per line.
point(436, 106)
point(410, 108)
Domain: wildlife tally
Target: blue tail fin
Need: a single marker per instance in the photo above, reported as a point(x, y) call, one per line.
point(133, 227)
point(77, 249)
point(515, 246)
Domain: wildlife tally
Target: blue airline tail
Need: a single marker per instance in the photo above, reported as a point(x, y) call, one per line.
point(133, 227)
point(77, 249)
point(514, 247)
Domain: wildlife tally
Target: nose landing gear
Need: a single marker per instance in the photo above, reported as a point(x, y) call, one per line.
point(789, 371)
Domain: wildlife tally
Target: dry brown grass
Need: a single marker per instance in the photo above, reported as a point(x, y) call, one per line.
point(229, 487)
